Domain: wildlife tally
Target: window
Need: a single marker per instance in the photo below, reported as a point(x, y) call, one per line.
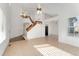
point(2, 26)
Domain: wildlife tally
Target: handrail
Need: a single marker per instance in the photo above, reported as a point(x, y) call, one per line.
point(32, 25)
point(27, 17)
point(33, 22)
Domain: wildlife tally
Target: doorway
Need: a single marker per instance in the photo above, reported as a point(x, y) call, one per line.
point(46, 30)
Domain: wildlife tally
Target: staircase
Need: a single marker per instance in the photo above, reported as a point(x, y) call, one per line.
point(32, 25)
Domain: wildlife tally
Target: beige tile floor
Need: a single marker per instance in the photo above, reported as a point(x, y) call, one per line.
point(46, 46)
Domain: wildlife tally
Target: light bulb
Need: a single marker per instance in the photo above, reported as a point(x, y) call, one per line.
point(39, 12)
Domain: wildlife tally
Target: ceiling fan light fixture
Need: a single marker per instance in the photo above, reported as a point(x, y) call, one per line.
point(39, 9)
point(39, 12)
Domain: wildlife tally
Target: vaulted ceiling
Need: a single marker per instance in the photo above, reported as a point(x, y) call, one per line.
point(49, 9)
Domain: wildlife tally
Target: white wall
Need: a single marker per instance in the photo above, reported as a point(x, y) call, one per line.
point(39, 30)
point(6, 19)
point(16, 21)
point(53, 28)
point(66, 11)
point(36, 32)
